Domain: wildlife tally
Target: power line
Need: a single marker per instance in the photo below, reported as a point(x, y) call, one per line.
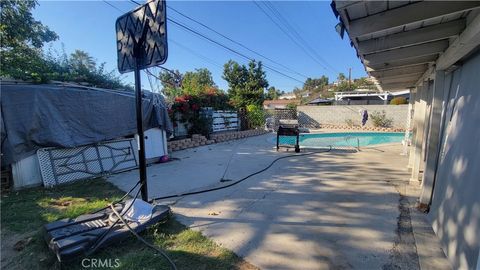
point(295, 32)
point(288, 34)
point(228, 48)
point(236, 42)
point(196, 53)
point(285, 29)
point(113, 6)
point(224, 46)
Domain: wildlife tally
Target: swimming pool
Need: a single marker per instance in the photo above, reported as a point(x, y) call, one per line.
point(352, 139)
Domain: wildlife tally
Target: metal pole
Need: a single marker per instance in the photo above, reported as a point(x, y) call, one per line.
point(141, 137)
point(349, 78)
point(138, 46)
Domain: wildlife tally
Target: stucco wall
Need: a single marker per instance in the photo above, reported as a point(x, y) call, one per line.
point(339, 115)
point(455, 208)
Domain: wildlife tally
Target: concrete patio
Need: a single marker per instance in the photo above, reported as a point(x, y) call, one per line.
point(335, 210)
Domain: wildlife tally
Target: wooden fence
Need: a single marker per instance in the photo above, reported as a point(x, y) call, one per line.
point(224, 121)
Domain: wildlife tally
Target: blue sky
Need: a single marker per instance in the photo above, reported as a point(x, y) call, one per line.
point(90, 26)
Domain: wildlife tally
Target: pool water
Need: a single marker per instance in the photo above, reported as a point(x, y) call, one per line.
point(353, 139)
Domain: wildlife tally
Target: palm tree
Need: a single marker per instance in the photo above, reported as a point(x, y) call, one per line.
point(82, 60)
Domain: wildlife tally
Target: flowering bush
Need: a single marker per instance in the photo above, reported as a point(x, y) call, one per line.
point(187, 109)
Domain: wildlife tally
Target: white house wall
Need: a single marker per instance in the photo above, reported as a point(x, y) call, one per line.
point(455, 206)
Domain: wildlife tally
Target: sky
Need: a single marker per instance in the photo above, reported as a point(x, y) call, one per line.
point(90, 26)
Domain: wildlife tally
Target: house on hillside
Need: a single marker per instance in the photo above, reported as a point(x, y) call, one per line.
point(279, 104)
point(365, 97)
point(288, 96)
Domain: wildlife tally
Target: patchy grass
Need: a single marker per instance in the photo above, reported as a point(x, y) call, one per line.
point(24, 212)
point(27, 210)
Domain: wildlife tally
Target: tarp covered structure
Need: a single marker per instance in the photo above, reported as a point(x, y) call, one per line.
point(36, 116)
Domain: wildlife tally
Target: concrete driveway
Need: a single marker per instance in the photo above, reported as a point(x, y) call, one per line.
point(336, 210)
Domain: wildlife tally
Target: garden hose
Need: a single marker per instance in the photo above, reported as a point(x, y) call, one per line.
point(240, 180)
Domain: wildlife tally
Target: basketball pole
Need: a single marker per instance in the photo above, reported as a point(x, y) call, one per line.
point(138, 46)
point(141, 136)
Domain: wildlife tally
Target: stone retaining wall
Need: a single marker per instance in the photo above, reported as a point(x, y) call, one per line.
point(198, 140)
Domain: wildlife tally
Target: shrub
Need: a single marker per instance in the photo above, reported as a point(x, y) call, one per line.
point(200, 125)
point(398, 101)
point(380, 119)
point(350, 122)
point(291, 106)
point(255, 116)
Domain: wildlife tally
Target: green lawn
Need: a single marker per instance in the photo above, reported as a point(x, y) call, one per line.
point(23, 213)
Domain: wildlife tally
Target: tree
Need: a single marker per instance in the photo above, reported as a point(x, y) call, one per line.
point(299, 92)
point(22, 38)
point(197, 82)
point(80, 60)
point(273, 93)
point(315, 85)
point(19, 28)
point(22, 57)
point(193, 83)
point(344, 86)
point(341, 77)
point(246, 84)
point(171, 83)
point(363, 82)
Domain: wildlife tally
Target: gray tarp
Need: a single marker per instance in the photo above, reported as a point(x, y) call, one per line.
point(36, 116)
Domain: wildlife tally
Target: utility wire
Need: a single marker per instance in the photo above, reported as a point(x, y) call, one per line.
point(288, 34)
point(285, 29)
point(197, 54)
point(113, 6)
point(226, 47)
point(236, 42)
point(295, 33)
point(293, 30)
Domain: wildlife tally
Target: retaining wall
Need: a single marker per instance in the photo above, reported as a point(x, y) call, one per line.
point(317, 116)
point(198, 140)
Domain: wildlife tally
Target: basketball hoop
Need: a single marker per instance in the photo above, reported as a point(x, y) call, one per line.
point(142, 43)
point(142, 37)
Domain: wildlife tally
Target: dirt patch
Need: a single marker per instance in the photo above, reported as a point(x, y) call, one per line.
point(244, 265)
point(12, 245)
point(63, 203)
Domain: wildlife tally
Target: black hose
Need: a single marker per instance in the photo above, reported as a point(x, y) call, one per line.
point(98, 241)
point(240, 180)
point(119, 200)
point(172, 264)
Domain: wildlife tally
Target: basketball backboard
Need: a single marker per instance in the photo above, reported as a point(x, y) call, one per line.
point(149, 20)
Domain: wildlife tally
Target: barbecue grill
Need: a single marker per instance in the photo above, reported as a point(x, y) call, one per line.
point(288, 128)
